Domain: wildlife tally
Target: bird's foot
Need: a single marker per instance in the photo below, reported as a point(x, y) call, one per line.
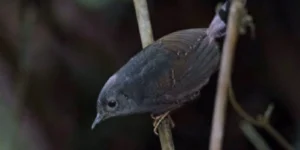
point(158, 119)
point(245, 22)
point(218, 7)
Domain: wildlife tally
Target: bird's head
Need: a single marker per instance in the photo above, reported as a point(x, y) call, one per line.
point(113, 100)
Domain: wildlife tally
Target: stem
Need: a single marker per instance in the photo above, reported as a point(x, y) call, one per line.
point(217, 132)
point(253, 136)
point(165, 135)
point(283, 142)
point(145, 30)
point(262, 123)
point(143, 19)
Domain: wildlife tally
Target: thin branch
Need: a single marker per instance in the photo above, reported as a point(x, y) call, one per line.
point(236, 11)
point(253, 136)
point(142, 15)
point(272, 131)
point(145, 30)
point(165, 135)
point(262, 121)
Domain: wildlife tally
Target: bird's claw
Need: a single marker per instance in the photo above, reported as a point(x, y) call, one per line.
point(218, 7)
point(159, 119)
point(246, 21)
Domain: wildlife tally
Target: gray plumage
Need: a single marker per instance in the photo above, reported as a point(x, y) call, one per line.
point(164, 75)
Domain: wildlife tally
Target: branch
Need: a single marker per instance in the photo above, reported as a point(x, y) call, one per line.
point(165, 134)
point(253, 136)
point(238, 18)
point(261, 121)
point(144, 23)
point(237, 12)
point(145, 30)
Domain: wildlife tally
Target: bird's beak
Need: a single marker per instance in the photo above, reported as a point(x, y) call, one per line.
point(97, 120)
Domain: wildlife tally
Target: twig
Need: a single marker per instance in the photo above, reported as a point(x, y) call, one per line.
point(235, 15)
point(142, 15)
point(261, 121)
point(253, 136)
point(165, 135)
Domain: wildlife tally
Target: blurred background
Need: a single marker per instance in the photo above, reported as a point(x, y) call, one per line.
point(55, 56)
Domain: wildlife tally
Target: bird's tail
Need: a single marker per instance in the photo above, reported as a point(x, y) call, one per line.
point(217, 27)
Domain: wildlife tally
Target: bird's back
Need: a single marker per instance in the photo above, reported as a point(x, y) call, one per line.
point(173, 68)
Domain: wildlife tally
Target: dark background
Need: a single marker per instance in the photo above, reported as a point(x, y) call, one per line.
point(55, 56)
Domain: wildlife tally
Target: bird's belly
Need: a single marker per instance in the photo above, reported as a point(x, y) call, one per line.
point(170, 102)
point(181, 94)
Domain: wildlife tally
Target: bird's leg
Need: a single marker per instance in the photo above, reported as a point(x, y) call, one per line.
point(246, 21)
point(158, 119)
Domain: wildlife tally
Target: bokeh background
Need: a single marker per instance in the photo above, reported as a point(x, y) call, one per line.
point(55, 56)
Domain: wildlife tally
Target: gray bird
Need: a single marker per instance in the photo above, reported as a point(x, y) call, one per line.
point(166, 74)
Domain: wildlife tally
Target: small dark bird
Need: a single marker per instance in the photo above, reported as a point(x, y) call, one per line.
point(165, 74)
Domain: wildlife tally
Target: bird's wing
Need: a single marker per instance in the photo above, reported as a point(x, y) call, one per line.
point(193, 58)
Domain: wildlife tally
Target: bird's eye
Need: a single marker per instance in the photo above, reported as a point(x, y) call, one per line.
point(112, 104)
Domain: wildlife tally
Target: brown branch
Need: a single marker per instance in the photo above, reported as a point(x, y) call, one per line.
point(235, 15)
point(261, 121)
point(145, 30)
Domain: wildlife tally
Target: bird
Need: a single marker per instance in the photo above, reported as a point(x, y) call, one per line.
point(166, 74)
